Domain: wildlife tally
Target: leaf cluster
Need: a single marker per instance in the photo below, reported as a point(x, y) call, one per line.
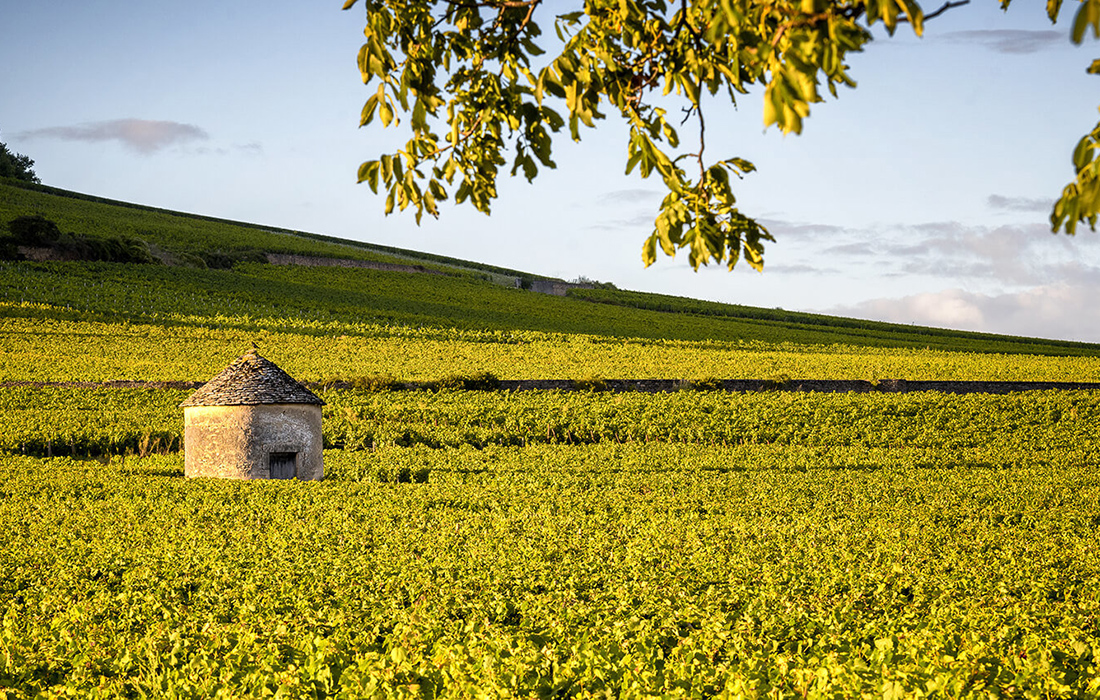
point(1080, 200)
point(469, 80)
point(476, 89)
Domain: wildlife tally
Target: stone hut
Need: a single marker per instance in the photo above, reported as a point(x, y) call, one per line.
point(252, 421)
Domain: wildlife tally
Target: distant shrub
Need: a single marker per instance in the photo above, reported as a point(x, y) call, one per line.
point(121, 249)
point(34, 230)
point(411, 466)
point(594, 284)
point(189, 260)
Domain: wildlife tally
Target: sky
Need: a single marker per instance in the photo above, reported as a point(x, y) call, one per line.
point(921, 197)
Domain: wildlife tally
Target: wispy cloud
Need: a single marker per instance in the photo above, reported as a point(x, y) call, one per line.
point(801, 269)
point(251, 149)
point(642, 219)
point(787, 229)
point(1061, 311)
point(1017, 255)
point(142, 135)
point(996, 201)
point(636, 208)
point(630, 196)
point(858, 249)
point(1012, 41)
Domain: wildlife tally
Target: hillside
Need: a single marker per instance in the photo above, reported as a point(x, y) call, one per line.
point(457, 295)
point(194, 236)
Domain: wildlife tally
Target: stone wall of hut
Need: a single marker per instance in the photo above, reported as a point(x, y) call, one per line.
point(239, 442)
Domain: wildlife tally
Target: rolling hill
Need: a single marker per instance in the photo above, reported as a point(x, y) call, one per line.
point(210, 267)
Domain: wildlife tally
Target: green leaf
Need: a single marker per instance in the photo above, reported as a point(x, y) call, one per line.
point(369, 171)
point(385, 112)
point(368, 111)
point(1083, 153)
point(437, 190)
point(649, 250)
point(419, 116)
point(1054, 7)
point(1088, 15)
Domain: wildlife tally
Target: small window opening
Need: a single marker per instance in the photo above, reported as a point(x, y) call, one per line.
point(284, 465)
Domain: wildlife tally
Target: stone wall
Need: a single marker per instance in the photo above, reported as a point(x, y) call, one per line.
point(236, 442)
point(36, 254)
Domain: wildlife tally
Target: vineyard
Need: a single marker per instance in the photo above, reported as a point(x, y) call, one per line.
point(103, 422)
point(486, 543)
point(577, 571)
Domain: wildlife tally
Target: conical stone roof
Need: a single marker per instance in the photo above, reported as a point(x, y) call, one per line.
point(251, 380)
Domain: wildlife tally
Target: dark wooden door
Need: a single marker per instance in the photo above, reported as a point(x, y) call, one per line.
point(284, 465)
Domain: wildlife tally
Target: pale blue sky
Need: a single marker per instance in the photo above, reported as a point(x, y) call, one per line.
point(920, 197)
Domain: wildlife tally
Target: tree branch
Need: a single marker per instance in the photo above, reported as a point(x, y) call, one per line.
point(932, 15)
point(702, 144)
point(808, 20)
point(946, 6)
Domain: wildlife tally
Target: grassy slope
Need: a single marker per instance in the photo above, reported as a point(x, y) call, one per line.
point(150, 293)
point(87, 214)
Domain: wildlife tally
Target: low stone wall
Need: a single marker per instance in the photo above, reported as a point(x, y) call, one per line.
point(35, 254)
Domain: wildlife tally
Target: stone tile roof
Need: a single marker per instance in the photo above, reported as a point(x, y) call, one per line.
point(251, 380)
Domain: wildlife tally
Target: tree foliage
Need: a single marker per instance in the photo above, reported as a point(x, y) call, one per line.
point(476, 90)
point(16, 165)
